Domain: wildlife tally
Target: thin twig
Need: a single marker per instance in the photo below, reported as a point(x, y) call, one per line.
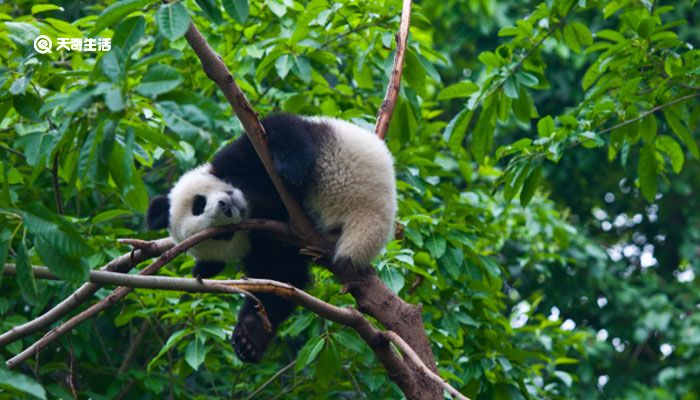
point(272, 378)
point(11, 150)
point(392, 90)
point(641, 116)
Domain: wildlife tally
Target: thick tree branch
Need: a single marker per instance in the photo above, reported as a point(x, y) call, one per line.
point(392, 90)
point(350, 317)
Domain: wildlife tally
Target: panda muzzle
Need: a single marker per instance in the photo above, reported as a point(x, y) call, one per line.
point(225, 207)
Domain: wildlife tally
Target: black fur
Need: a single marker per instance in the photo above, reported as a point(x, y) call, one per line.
point(293, 145)
point(207, 269)
point(198, 205)
point(158, 214)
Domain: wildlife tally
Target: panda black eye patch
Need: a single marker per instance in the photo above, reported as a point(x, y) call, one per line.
point(198, 204)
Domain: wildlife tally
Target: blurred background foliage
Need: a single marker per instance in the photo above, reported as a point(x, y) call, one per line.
point(547, 157)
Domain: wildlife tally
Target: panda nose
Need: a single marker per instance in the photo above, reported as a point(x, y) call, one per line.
point(225, 207)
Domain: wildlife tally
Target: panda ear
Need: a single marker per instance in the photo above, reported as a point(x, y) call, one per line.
point(158, 214)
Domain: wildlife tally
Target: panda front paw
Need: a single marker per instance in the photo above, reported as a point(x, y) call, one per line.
point(250, 339)
point(207, 269)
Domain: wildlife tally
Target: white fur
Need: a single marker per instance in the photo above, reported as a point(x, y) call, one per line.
point(183, 224)
point(355, 190)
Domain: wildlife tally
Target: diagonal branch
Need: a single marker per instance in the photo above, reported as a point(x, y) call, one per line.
point(217, 71)
point(392, 90)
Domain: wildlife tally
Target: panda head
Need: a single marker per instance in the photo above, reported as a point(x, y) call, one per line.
point(197, 201)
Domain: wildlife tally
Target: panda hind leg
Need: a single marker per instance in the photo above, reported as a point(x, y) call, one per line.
point(268, 260)
point(251, 336)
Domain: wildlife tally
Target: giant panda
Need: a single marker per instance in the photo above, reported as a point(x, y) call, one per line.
point(343, 176)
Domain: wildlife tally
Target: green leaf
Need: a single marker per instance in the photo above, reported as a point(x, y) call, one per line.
point(114, 99)
point(211, 9)
point(69, 269)
point(672, 149)
point(545, 126)
point(458, 90)
point(527, 79)
point(27, 105)
point(452, 261)
point(158, 80)
point(329, 363)
point(53, 229)
point(646, 27)
point(303, 68)
point(196, 353)
point(173, 20)
point(514, 179)
point(393, 279)
point(112, 67)
point(436, 245)
point(172, 341)
point(14, 381)
point(237, 9)
point(530, 185)
point(283, 64)
point(577, 35)
point(129, 32)
point(522, 106)
point(678, 127)
point(456, 129)
point(36, 9)
point(25, 277)
point(510, 88)
point(564, 377)
point(109, 214)
point(483, 132)
point(648, 128)
point(646, 169)
point(116, 12)
point(308, 353)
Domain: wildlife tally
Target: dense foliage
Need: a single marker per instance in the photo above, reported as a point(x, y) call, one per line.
point(547, 156)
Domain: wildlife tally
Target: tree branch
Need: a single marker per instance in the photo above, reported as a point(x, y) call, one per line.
point(350, 317)
point(121, 292)
point(392, 90)
point(124, 263)
point(216, 70)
